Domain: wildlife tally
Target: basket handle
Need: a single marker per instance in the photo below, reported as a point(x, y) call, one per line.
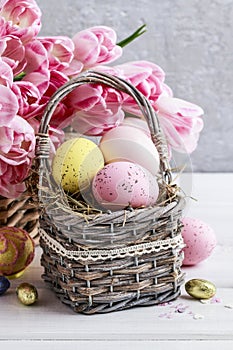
point(94, 77)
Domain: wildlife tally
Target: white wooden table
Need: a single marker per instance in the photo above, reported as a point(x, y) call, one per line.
point(51, 325)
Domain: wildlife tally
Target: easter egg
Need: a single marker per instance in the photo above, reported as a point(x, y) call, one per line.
point(4, 284)
point(27, 293)
point(153, 191)
point(137, 123)
point(16, 251)
point(199, 238)
point(75, 164)
point(200, 288)
point(122, 184)
point(130, 144)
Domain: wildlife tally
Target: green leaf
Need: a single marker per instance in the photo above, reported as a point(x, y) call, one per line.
point(141, 30)
point(20, 76)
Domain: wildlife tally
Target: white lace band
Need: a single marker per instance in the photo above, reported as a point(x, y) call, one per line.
point(104, 254)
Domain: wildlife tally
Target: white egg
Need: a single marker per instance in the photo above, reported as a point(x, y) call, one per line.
point(129, 143)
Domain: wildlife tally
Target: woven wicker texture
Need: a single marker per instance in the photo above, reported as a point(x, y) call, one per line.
point(21, 212)
point(99, 285)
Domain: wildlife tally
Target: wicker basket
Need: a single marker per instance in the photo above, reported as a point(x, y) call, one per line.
point(20, 212)
point(114, 260)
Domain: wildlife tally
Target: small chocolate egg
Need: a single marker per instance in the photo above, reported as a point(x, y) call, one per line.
point(27, 293)
point(200, 288)
point(200, 240)
point(75, 164)
point(4, 284)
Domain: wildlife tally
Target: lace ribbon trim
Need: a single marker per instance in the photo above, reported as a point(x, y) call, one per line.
point(104, 254)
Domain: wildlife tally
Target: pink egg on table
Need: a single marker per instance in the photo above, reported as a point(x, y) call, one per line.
point(200, 240)
point(122, 184)
point(130, 144)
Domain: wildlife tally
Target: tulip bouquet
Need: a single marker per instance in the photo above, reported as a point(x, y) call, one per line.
point(33, 67)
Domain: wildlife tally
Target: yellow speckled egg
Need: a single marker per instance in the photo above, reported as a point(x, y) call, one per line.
point(75, 164)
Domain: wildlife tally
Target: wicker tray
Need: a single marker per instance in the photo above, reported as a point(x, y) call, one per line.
point(113, 260)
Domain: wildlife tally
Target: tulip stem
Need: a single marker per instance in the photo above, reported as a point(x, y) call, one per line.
point(141, 30)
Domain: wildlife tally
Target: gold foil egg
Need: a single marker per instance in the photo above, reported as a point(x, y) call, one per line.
point(27, 293)
point(200, 288)
point(75, 164)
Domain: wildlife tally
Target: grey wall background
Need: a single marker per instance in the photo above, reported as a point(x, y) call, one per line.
point(191, 40)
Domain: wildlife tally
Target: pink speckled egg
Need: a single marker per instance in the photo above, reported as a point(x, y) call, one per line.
point(200, 240)
point(130, 144)
point(122, 184)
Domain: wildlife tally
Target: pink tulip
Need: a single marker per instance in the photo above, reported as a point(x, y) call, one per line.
point(23, 18)
point(98, 108)
point(16, 154)
point(181, 122)
point(15, 52)
point(147, 77)
point(28, 97)
point(60, 54)
point(11, 48)
point(63, 113)
point(96, 45)
point(11, 190)
point(56, 135)
point(32, 104)
point(6, 74)
point(11, 63)
point(37, 66)
point(8, 106)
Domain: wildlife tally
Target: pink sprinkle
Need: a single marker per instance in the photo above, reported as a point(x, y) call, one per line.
point(215, 300)
point(169, 316)
point(176, 308)
point(166, 303)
